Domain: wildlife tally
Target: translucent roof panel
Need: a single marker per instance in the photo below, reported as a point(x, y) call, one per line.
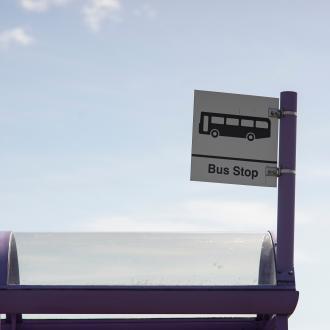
point(138, 258)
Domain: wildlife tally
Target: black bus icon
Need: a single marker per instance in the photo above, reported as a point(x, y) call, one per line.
point(247, 127)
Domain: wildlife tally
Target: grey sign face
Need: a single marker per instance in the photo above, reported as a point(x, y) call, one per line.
point(234, 140)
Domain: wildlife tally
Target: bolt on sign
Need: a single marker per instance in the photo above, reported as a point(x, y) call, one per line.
point(234, 139)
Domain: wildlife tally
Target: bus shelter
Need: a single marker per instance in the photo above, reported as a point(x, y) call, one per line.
point(131, 281)
point(141, 281)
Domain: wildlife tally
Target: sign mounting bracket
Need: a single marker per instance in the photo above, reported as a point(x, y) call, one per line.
point(277, 171)
point(278, 113)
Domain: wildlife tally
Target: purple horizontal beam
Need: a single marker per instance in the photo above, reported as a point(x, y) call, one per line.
point(140, 324)
point(134, 300)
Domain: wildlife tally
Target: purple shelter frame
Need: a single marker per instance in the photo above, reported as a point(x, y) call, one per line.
point(272, 304)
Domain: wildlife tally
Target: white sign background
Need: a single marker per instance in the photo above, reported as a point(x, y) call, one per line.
point(231, 159)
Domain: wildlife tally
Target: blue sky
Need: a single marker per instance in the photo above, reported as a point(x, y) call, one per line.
point(96, 116)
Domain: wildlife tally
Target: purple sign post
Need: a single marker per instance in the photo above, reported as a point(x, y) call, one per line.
point(286, 188)
point(286, 194)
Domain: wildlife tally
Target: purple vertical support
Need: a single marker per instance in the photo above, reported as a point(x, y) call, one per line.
point(4, 256)
point(286, 189)
point(281, 322)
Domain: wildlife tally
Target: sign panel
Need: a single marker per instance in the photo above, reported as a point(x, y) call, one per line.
point(234, 140)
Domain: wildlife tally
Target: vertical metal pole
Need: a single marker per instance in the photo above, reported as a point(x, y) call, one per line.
point(13, 318)
point(286, 189)
point(281, 322)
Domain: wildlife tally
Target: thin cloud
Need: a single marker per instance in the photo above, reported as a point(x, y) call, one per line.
point(42, 5)
point(145, 10)
point(16, 36)
point(96, 12)
point(198, 215)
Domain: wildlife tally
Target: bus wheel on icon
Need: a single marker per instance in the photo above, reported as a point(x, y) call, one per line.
point(250, 136)
point(215, 133)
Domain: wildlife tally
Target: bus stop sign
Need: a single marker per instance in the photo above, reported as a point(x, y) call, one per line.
point(234, 139)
